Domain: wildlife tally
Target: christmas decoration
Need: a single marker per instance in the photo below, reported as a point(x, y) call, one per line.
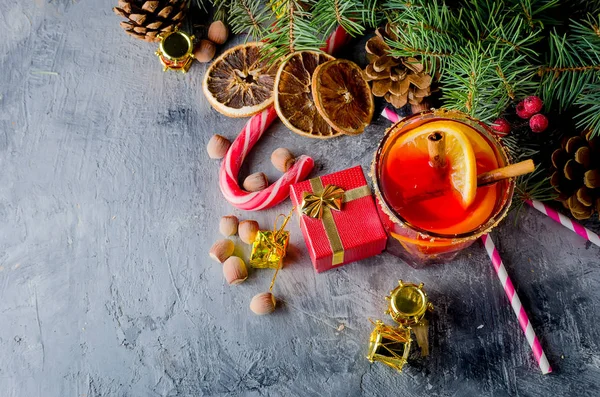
point(408, 304)
point(342, 96)
point(576, 175)
point(532, 104)
point(147, 19)
point(293, 98)
point(538, 123)
point(175, 51)
point(501, 126)
point(515, 302)
point(230, 167)
point(239, 83)
point(399, 80)
point(331, 208)
point(389, 345)
point(269, 249)
point(522, 112)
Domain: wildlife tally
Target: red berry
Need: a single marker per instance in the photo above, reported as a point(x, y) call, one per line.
point(538, 123)
point(522, 112)
point(501, 126)
point(532, 104)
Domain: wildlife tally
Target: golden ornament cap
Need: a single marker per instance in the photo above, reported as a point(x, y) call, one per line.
point(176, 51)
point(408, 303)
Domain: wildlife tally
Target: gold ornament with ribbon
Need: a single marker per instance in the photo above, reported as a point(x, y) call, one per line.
point(408, 304)
point(270, 246)
point(321, 202)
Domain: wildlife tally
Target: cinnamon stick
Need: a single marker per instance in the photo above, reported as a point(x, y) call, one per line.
point(483, 179)
point(521, 168)
point(436, 145)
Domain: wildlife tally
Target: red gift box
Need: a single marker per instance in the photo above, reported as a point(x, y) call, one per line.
point(338, 237)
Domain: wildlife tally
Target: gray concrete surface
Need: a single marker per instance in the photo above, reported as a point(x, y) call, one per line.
point(109, 203)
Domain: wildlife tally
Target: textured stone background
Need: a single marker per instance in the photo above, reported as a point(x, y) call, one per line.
point(108, 205)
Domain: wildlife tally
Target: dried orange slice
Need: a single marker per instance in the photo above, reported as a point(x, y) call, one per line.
point(293, 95)
point(240, 82)
point(343, 96)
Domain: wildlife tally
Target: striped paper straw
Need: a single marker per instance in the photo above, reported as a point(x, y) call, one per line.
point(513, 298)
point(390, 115)
point(565, 221)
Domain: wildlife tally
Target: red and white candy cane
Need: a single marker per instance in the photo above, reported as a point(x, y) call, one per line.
point(230, 167)
point(254, 129)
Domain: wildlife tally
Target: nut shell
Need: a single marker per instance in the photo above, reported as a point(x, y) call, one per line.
point(247, 231)
point(221, 250)
point(234, 270)
point(205, 51)
point(256, 182)
point(263, 303)
point(228, 225)
point(218, 32)
point(282, 159)
point(217, 146)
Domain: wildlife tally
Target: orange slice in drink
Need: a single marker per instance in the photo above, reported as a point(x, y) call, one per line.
point(461, 144)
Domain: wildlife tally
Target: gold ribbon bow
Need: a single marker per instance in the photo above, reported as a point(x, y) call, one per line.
point(320, 203)
point(331, 197)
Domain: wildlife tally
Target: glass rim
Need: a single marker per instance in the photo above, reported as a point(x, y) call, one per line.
point(479, 126)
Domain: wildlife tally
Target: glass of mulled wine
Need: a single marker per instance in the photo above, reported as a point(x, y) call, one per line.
point(423, 209)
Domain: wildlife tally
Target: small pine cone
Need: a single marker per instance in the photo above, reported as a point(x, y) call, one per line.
point(576, 176)
point(146, 19)
point(398, 80)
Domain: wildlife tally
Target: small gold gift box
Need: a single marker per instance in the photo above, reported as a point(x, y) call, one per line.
point(269, 249)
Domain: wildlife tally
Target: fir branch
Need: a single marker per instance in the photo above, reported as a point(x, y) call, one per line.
point(248, 16)
point(532, 187)
point(427, 30)
point(481, 81)
point(573, 64)
point(535, 12)
point(589, 103)
point(292, 31)
point(328, 14)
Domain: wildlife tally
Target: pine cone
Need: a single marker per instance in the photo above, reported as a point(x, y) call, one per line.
point(577, 174)
point(147, 19)
point(399, 80)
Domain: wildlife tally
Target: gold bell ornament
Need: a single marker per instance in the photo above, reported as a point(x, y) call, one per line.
point(176, 51)
point(407, 305)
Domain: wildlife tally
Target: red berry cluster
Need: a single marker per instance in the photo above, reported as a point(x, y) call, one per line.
point(528, 108)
